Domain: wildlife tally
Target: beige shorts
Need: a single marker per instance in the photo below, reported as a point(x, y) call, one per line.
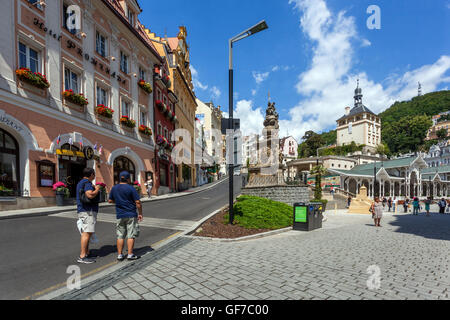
point(88, 219)
point(127, 228)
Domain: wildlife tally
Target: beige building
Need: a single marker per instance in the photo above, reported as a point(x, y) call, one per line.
point(212, 123)
point(295, 167)
point(181, 85)
point(359, 125)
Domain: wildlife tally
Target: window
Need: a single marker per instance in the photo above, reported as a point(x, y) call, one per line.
point(71, 81)
point(159, 129)
point(9, 165)
point(166, 133)
point(143, 118)
point(36, 3)
point(123, 62)
point(158, 96)
point(130, 15)
point(100, 45)
point(46, 173)
point(29, 58)
point(102, 96)
point(142, 74)
point(66, 17)
point(126, 108)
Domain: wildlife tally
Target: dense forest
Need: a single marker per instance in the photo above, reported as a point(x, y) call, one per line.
point(404, 128)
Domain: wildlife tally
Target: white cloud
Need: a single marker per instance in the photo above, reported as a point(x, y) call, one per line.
point(260, 77)
point(252, 119)
point(276, 68)
point(327, 86)
point(195, 80)
point(216, 93)
point(254, 91)
point(366, 43)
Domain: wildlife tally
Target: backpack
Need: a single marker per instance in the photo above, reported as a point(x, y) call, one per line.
point(85, 200)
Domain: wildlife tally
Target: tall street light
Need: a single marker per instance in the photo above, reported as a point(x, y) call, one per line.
point(251, 31)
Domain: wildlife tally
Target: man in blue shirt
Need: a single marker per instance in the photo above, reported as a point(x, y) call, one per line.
point(87, 212)
point(127, 202)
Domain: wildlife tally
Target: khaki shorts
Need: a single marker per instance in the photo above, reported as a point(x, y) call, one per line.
point(127, 228)
point(89, 219)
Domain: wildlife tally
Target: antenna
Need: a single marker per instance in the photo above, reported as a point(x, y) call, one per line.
point(420, 89)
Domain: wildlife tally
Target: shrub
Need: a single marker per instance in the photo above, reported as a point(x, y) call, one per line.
point(259, 213)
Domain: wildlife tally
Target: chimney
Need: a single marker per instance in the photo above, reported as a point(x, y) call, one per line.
point(347, 111)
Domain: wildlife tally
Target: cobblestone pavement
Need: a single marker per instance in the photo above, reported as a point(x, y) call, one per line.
point(411, 252)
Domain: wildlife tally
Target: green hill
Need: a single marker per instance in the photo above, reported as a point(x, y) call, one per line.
point(429, 104)
point(404, 126)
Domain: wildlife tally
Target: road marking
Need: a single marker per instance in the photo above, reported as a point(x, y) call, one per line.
point(60, 285)
point(170, 224)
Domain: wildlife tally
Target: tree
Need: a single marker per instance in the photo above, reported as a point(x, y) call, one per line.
point(442, 134)
point(318, 171)
point(383, 149)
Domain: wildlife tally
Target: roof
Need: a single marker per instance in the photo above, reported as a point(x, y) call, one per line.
point(173, 43)
point(357, 110)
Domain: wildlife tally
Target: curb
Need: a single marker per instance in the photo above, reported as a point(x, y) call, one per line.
point(73, 208)
point(251, 237)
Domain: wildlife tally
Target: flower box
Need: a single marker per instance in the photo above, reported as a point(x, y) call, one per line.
point(161, 141)
point(75, 98)
point(127, 122)
point(34, 78)
point(104, 111)
point(147, 87)
point(145, 130)
point(166, 81)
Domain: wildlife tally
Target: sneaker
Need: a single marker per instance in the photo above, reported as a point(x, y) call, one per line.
point(86, 260)
point(132, 257)
point(120, 257)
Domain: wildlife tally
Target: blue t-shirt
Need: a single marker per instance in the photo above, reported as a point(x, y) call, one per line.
point(125, 197)
point(85, 185)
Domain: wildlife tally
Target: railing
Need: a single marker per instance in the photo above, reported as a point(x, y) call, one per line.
point(345, 193)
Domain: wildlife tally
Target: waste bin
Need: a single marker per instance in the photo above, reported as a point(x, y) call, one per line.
point(308, 216)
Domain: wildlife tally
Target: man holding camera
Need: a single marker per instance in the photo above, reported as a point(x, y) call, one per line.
point(87, 208)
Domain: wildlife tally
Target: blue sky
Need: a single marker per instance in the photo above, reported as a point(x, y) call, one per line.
point(311, 55)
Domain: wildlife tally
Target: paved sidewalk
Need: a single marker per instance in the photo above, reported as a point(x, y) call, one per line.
point(411, 252)
point(55, 210)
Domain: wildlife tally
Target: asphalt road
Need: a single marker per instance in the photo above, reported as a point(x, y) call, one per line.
point(37, 251)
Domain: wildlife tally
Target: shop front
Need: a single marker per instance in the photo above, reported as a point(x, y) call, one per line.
point(9, 165)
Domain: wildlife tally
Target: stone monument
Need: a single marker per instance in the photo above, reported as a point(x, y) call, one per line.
point(362, 203)
point(266, 178)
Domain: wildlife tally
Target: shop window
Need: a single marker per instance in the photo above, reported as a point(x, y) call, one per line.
point(29, 58)
point(9, 165)
point(46, 173)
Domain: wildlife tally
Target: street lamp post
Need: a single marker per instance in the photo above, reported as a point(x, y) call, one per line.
point(251, 31)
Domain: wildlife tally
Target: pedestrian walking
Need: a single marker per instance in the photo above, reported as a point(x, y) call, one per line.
point(377, 211)
point(416, 206)
point(427, 206)
point(127, 202)
point(149, 185)
point(384, 203)
point(389, 202)
point(442, 204)
point(405, 205)
point(88, 198)
point(349, 201)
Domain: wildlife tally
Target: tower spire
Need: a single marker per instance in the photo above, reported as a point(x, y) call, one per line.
point(358, 95)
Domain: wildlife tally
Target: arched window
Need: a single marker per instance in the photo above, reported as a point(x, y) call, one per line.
point(123, 164)
point(9, 165)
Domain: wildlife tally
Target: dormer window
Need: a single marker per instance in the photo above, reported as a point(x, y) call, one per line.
point(130, 16)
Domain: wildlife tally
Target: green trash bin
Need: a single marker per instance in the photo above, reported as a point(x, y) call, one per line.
point(308, 216)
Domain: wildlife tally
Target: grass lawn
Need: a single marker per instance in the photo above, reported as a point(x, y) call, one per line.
point(259, 213)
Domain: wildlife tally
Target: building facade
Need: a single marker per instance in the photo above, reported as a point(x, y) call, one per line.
point(70, 98)
point(359, 125)
point(402, 178)
point(440, 121)
point(165, 120)
point(289, 149)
